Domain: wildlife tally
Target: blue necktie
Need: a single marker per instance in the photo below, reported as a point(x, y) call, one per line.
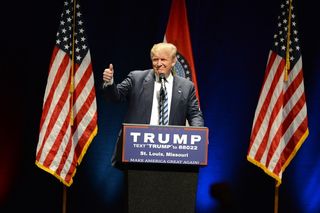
point(163, 117)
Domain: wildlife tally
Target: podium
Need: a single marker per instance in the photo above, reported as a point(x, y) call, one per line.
point(161, 165)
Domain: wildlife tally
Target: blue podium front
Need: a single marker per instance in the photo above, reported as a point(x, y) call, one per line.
point(162, 166)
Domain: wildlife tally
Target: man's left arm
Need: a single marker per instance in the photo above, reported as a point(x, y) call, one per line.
point(194, 114)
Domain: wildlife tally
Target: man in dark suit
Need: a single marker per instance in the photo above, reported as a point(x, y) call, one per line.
point(167, 188)
point(141, 89)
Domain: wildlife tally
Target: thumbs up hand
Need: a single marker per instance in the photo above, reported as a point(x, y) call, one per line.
point(108, 74)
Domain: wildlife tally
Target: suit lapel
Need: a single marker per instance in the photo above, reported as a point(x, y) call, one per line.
point(147, 94)
point(176, 96)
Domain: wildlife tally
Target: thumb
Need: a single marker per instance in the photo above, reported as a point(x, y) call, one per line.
point(111, 67)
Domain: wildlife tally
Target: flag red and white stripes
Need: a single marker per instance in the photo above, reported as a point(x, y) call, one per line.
point(69, 117)
point(280, 124)
point(177, 33)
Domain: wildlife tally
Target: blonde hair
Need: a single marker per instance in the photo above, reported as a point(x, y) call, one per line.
point(167, 46)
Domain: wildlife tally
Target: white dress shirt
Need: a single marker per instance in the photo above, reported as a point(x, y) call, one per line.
point(154, 120)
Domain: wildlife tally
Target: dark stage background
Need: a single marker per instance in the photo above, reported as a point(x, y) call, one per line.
point(231, 41)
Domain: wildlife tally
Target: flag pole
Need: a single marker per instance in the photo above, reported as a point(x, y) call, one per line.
point(276, 198)
point(64, 196)
point(288, 43)
point(72, 62)
point(64, 199)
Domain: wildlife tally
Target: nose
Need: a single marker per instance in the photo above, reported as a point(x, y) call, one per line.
point(159, 63)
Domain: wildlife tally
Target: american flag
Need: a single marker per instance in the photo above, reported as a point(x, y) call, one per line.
point(177, 33)
point(280, 123)
point(69, 113)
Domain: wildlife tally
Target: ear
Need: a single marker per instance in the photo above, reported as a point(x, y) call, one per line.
point(174, 61)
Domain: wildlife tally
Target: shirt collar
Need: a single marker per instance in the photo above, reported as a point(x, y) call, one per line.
point(168, 79)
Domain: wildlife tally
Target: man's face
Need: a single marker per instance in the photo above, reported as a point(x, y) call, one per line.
point(162, 62)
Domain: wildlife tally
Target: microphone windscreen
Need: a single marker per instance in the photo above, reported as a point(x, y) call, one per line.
point(161, 76)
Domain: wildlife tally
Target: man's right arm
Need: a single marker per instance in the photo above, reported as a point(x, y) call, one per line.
point(113, 91)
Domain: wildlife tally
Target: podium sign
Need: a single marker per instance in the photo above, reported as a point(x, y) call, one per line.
point(165, 144)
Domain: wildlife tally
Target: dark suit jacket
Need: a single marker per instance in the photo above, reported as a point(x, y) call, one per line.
point(137, 89)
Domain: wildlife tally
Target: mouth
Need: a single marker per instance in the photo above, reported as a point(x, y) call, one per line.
point(161, 71)
point(159, 68)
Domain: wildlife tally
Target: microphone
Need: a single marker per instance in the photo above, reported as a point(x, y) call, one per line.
point(162, 88)
point(162, 78)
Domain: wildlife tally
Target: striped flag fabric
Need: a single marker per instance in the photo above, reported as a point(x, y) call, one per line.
point(69, 112)
point(177, 33)
point(280, 124)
